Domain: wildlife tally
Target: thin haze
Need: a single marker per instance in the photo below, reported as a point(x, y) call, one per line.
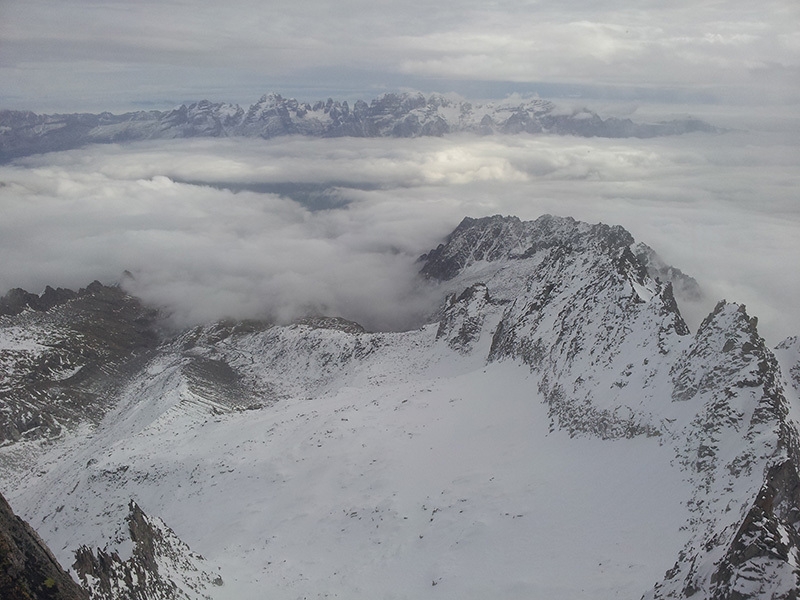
point(723, 208)
point(113, 54)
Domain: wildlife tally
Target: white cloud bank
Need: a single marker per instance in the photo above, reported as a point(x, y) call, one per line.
point(722, 208)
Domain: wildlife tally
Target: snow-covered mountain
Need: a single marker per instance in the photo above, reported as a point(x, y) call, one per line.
point(391, 115)
point(555, 431)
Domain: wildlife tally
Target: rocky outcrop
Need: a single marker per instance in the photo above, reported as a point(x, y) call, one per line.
point(739, 438)
point(684, 286)
point(763, 558)
point(64, 352)
point(161, 566)
point(28, 571)
point(572, 302)
point(462, 319)
point(17, 300)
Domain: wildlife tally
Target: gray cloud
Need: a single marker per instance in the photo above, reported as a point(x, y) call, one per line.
point(84, 52)
point(722, 208)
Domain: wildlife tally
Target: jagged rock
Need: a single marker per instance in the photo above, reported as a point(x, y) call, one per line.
point(762, 559)
point(789, 352)
point(684, 287)
point(739, 438)
point(28, 570)
point(65, 354)
point(161, 566)
point(17, 300)
point(336, 323)
point(462, 319)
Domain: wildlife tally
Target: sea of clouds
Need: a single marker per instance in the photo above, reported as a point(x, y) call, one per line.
point(279, 228)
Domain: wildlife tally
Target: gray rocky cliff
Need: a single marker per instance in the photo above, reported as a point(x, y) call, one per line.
point(593, 316)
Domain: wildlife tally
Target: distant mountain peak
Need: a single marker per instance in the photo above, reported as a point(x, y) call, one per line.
point(393, 114)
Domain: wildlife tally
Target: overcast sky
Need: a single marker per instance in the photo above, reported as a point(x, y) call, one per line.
point(118, 54)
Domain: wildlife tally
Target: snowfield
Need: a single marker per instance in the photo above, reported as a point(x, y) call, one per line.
point(446, 485)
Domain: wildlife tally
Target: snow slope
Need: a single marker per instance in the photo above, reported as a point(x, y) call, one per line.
point(379, 488)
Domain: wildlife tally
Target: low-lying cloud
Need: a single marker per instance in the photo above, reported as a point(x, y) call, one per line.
point(213, 228)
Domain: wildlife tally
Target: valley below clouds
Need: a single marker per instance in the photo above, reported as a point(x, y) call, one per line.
point(280, 228)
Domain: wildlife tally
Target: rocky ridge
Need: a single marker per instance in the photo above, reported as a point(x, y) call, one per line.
point(391, 115)
point(160, 565)
point(64, 353)
point(737, 434)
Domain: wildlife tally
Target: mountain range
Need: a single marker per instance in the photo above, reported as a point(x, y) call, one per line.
point(391, 115)
point(555, 430)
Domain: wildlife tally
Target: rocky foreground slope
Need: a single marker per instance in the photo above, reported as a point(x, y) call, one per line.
point(391, 115)
point(555, 431)
point(28, 570)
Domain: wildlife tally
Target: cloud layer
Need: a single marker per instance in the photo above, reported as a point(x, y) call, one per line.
point(722, 208)
point(84, 52)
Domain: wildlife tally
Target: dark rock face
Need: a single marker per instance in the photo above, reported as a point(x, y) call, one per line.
point(463, 317)
point(762, 555)
point(72, 349)
point(391, 115)
point(17, 300)
point(28, 571)
point(473, 240)
point(497, 237)
point(734, 379)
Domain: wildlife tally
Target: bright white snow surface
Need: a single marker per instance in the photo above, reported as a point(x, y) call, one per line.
point(415, 473)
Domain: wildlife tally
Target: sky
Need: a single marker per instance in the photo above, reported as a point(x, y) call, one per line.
point(723, 208)
point(117, 55)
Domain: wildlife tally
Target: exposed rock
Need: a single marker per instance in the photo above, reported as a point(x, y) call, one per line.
point(462, 319)
point(337, 323)
point(739, 438)
point(64, 353)
point(762, 560)
point(17, 300)
point(161, 566)
point(28, 570)
point(685, 287)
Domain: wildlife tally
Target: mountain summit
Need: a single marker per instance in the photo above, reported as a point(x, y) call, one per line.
point(554, 419)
